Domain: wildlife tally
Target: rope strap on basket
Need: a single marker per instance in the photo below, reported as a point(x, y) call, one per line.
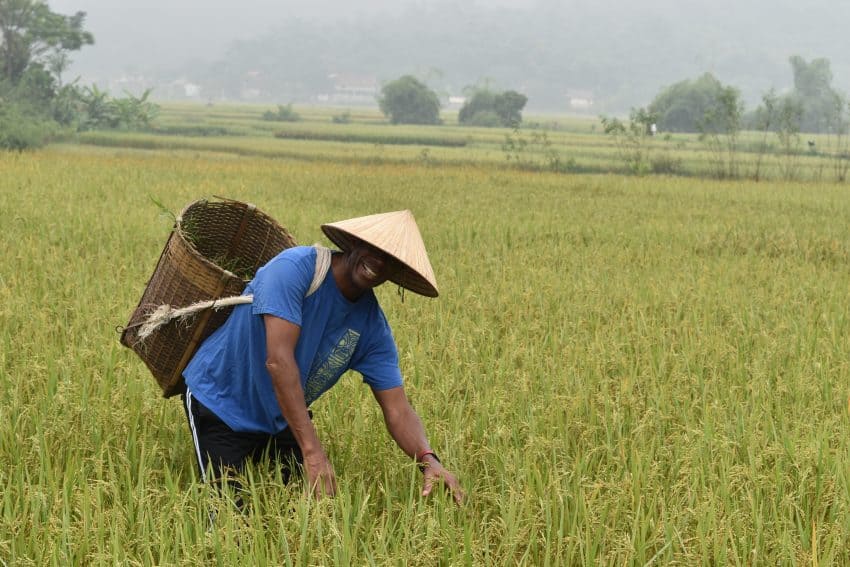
point(165, 313)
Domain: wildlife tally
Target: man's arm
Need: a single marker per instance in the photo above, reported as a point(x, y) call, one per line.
point(281, 338)
point(406, 429)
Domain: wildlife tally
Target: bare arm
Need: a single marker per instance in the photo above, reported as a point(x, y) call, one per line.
point(281, 338)
point(406, 429)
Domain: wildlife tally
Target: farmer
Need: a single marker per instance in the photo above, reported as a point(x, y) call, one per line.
point(250, 383)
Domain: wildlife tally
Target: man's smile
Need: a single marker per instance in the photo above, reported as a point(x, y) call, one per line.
point(370, 272)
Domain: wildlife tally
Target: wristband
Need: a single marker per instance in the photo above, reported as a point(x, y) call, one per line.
point(422, 454)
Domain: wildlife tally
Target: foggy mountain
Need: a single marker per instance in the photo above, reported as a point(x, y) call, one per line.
point(611, 53)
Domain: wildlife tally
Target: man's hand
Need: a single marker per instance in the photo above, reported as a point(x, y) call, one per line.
point(406, 428)
point(319, 473)
point(435, 473)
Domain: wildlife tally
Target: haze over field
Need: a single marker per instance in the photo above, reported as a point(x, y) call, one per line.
point(617, 54)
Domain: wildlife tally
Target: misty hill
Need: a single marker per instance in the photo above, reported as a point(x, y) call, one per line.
point(618, 54)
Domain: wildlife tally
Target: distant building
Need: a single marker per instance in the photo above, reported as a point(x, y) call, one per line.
point(351, 89)
point(191, 90)
point(178, 89)
point(456, 101)
point(578, 99)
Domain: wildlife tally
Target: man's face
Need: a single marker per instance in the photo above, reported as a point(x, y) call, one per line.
point(368, 267)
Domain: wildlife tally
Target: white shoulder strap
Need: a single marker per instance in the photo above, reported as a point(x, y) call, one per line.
point(323, 264)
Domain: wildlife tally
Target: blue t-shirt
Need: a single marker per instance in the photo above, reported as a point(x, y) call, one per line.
point(228, 372)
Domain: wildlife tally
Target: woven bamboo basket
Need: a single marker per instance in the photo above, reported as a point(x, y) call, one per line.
point(216, 247)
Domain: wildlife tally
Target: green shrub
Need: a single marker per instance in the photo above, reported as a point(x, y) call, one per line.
point(486, 118)
point(194, 130)
point(665, 164)
point(283, 114)
point(99, 111)
point(22, 131)
point(344, 118)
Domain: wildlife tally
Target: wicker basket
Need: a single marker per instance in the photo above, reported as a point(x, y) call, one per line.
point(213, 251)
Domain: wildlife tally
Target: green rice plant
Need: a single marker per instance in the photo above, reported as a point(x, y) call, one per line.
point(374, 138)
point(282, 114)
point(621, 370)
point(195, 130)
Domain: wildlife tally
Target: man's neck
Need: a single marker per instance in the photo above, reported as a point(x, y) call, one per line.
point(340, 270)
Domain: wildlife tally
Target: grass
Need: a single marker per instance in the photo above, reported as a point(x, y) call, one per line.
point(621, 370)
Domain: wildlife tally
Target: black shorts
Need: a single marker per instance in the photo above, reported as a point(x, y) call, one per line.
point(219, 448)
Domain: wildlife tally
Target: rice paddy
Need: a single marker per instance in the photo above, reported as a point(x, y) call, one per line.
point(621, 370)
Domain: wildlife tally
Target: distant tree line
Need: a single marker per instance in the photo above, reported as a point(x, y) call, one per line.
point(692, 105)
point(35, 106)
point(717, 113)
point(407, 100)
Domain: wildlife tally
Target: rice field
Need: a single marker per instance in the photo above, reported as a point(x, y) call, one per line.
point(621, 370)
point(565, 144)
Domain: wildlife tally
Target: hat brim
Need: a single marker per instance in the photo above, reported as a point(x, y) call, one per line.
point(400, 272)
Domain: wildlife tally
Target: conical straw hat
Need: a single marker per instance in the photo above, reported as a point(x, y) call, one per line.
point(396, 234)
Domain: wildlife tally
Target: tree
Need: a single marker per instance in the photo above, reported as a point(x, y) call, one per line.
point(406, 100)
point(479, 109)
point(814, 93)
point(812, 79)
point(488, 108)
point(633, 138)
point(34, 46)
point(789, 116)
point(683, 107)
point(765, 118)
point(719, 129)
point(509, 107)
point(33, 35)
point(841, 155)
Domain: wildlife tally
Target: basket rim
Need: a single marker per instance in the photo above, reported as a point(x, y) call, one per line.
point(178, 228)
